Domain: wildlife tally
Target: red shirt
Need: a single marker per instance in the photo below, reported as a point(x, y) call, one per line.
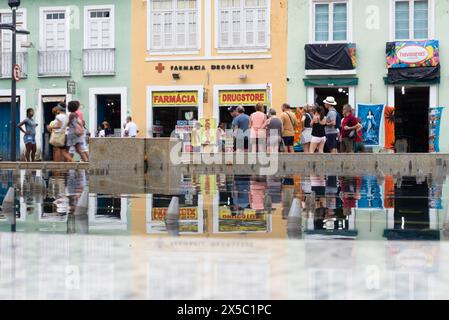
point(349, 121)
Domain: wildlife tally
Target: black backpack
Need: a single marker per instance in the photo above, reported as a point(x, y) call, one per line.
point(338, 121)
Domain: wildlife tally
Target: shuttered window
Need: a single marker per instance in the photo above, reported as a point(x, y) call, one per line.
point(330, 21)
point(174, 24)
point(243, 24)
point(55, 31)
point(100, 29)
point(6, 35)
point(411, 19)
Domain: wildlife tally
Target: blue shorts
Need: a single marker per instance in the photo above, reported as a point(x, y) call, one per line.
point(332, 141)
point(29, 139)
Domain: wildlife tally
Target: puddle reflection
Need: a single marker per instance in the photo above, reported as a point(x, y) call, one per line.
point(218, 205)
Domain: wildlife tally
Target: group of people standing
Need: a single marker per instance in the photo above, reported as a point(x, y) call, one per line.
point(331, 131)
point(68, 133)
point(323, 129)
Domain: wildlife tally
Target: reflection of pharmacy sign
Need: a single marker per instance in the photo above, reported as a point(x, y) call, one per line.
point(246, 221)
point(242, 97)
point(182, 98)
point(158, 214)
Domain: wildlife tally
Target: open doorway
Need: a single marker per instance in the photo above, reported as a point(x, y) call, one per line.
point(109, 110)
point(48, 103)
point(341, 95)
point(166, 118)
point(226, 117)
point(412, 118)
point(5, 128)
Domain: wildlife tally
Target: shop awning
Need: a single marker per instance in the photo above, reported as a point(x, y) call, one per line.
point(7, 99)
point(331, 82)
point(428, 75)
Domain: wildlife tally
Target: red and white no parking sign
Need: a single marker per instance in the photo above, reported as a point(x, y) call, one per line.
point(16, 74)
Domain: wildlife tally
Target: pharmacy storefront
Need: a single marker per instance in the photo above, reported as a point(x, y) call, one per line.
point(248, 96)
point(173, 109)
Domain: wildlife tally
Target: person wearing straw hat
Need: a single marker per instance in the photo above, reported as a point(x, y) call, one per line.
point(331, 125)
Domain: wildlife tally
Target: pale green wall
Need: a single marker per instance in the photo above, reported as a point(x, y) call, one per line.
point(122, 59)
point(370, 39)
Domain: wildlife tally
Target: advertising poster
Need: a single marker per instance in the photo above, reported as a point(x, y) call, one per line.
point(390, 137)
point(371, 194)
point(208, 131)
point(413, 54)
point(245, 221)
point(434, 129)
point(371, 116)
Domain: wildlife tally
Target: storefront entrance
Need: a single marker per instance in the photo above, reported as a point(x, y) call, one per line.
point(340, 94)
point(247, 98)
point(166, 118)
point(174, 111)
point(109, 110)
point(412, 118)
point(5, 128)
point(48, 103)
point(226, 117)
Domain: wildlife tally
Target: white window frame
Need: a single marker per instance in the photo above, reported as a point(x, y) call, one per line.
point(174, 51)
point(87, 10)
point(45, 10)
point(22, 11)
point(349, 28)
point(431, 20)
point(242, 49)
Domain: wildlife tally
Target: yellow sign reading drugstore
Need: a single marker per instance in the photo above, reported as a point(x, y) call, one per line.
point(242, 97)
point(175, 98)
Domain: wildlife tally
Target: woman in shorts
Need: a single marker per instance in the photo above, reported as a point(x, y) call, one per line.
point(306, 134)
point(318, 131)
point(29, 138)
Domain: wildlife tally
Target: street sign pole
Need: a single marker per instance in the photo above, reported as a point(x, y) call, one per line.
point(13, 87)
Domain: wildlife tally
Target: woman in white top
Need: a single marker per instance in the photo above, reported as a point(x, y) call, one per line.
point(60, 125)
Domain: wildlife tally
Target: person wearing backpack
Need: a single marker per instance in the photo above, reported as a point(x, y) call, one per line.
point(331, 128)
point(76, 132)
point(289, 124)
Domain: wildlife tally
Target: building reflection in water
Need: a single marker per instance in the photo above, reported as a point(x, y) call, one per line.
point(46, 202)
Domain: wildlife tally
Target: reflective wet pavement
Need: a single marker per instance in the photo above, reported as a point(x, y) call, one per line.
point(238, 237)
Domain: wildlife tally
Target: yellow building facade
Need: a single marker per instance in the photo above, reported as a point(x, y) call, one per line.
point(194, 59)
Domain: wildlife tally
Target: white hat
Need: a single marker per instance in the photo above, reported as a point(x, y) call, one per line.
point(331, 101)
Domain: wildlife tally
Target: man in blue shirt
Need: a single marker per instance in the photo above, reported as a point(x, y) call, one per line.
point(240, 125)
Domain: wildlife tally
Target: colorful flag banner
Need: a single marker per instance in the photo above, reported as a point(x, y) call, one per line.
point(434, 128)
point(371, 117)
point(390, 137)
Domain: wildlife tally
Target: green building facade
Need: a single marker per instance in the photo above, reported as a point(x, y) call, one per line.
point(319, 30)
point(76, 50)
